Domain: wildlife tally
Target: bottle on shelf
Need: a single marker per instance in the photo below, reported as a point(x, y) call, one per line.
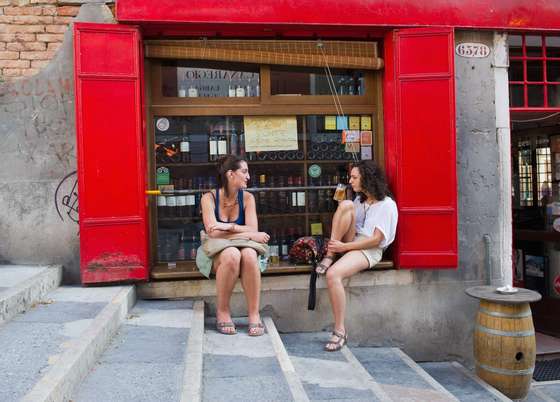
point(231, 90)
point(162, 206)
point(182, 245)
point(193, 92)
point(242, 145)
point(248, 88)
point(222, 145)
point(257, 86)
point(193, 248)
point(240, 91)
point(213, 147)
point(171, 206)
point(234, 143)
point(185, 148)
point(261, 196)
point(182, 206)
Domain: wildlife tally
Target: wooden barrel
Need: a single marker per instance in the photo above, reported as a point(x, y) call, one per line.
point(504, 347)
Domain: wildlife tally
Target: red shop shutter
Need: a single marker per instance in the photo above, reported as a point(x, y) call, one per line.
point(420, 145)
point(111, 154)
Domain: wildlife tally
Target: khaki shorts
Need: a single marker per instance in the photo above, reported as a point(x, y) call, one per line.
point(373, 255)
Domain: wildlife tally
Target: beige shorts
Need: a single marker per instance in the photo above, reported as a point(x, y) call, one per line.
point(373, 255)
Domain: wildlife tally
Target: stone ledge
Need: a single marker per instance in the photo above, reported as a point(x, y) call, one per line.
point(205, 287)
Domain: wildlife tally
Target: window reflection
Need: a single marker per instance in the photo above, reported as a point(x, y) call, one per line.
point(313, 81)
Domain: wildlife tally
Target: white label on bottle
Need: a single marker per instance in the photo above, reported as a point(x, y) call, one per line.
point(240, 92)
point(222, 147)
point(301, 199)
point(171, 201)
point(181, 201)
point(182, 93)
point(190, 199)
point(231, 92)
point(213, 147)
point(273, 249)
point(294, 199)
point(193, 92)
point(161, 201)
point(185, 146)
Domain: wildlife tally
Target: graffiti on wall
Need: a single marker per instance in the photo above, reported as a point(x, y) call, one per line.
point(66, 198)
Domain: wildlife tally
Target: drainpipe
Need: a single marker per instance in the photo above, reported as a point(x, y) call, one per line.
point(503, 274)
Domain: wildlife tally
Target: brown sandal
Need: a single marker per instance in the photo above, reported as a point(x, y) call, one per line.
point(255, 329)
point(322, 268)
point(222, 328)
point(336, 345)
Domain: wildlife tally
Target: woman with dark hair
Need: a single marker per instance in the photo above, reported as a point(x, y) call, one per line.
point(361, 230)
point(229, 212)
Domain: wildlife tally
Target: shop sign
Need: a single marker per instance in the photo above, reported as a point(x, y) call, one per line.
point(162, 175)
point(472, 50)
point(556, 284)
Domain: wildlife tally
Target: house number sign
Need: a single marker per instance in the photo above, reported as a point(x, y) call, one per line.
point(472, 50)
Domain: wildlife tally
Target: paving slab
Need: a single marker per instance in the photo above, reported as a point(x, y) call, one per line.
point(462, 386)
point(325, 375)
point(34, 340)
point(544, 392)
point(399, 377)
point(146, 359)
point(240, 367)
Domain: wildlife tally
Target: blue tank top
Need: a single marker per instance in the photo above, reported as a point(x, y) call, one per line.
point(240, 218)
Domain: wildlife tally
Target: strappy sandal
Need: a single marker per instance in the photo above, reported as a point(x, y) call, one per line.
point(322, 268)
point(255, 329)
point(333, 346)
point(222, 328)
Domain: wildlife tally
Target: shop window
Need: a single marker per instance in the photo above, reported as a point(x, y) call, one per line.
point(534, 176)
point(287, 80)
point(534, 73)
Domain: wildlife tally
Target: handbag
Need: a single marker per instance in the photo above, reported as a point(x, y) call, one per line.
point(212, 246)
point(309, 250)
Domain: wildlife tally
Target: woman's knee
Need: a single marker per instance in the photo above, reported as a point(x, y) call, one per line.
point(248, 256)
point(230, 257)
point(333, 277)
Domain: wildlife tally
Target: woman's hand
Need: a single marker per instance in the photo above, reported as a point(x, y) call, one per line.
point(260, 237)
point(336, 246)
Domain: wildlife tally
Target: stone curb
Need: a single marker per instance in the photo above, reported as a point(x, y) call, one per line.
point(22, 296)
point(81, 354)
point(422, 373)
point(480, 382)
point(296, 387)
point(361, 371)
point(192, 377)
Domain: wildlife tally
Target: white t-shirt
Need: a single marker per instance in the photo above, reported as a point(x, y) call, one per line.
point(382, 215)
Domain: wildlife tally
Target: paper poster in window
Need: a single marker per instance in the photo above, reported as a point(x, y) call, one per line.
point(366, 122)
point(330, 122)
point(366, 138)
point(354, 122)
point(366, 153)
point(270, 133)
point(341, 123)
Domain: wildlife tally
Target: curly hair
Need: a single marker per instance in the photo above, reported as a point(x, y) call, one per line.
point(372, 180)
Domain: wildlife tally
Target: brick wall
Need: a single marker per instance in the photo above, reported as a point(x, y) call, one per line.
point(31, 31)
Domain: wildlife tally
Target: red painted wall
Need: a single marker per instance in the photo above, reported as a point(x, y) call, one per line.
point(508, 14)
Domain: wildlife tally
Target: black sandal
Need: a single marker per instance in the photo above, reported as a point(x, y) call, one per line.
point(337, 345)
point(322, 268)
point(255, 329)
point(223, 328)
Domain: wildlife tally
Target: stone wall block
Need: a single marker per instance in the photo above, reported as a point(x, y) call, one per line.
point(57, 29)
point(25, 46)
point(63, 20)
point(9, 55)
point(12, 72)
point(15, 63)
point(39, 63)
point(36, 55)
point(23, 29)
point(32, 19)
point(50, 37)
point(69, 11)
point(54, 46)
point(17, 37)
point(49, 10)
point(23, 10)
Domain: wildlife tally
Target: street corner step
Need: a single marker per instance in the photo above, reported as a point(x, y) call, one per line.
point(462, 383)
point(22, 286)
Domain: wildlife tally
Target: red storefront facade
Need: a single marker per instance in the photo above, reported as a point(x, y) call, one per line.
point(418, 51)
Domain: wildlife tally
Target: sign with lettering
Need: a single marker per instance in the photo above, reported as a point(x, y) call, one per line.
point(472, 50)
point(270, 133)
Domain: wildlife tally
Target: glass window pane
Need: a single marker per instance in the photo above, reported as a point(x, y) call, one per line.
point(534, 46)
point(553, 96)
point(514, 42)
point(192, 78)
point(516, 70)
point(516, 96)
point(535, 70)
point(313, 81)
point(553, 71)
point(535, 95)
point(553, 46)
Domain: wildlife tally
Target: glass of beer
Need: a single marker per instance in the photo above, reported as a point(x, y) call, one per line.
point(340, 192)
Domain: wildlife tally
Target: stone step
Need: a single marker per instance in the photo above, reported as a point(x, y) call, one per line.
point(21, 286)
point(399, 376)
point(333, 376)
point(545, 391)
point(463, 384)
point(242, 368)
point(47, 350)
point(147, 358)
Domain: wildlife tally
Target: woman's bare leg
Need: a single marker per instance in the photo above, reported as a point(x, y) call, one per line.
point(251, 282)
point(343, 228)
point(349, 264)
point(227, 268)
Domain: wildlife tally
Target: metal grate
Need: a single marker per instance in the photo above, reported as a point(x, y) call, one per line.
point(547, 370)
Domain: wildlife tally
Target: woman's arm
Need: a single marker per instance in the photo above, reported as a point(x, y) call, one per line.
point(336, 246)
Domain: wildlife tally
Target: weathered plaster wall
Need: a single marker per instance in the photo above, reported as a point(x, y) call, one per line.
point(37, 157)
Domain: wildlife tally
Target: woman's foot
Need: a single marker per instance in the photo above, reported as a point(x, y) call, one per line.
point(325, 264)
point(255, 329)
point(224, 324)
point(337, 341)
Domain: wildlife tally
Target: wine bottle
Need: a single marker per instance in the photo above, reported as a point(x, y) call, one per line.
point(185, 148)
point(171, 206)
point(233, 143)
point(213, 147)
point(222, 145)
point(162, 206)
point(242, 145)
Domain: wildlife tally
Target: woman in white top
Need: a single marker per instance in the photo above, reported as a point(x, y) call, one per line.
point(361, 230)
